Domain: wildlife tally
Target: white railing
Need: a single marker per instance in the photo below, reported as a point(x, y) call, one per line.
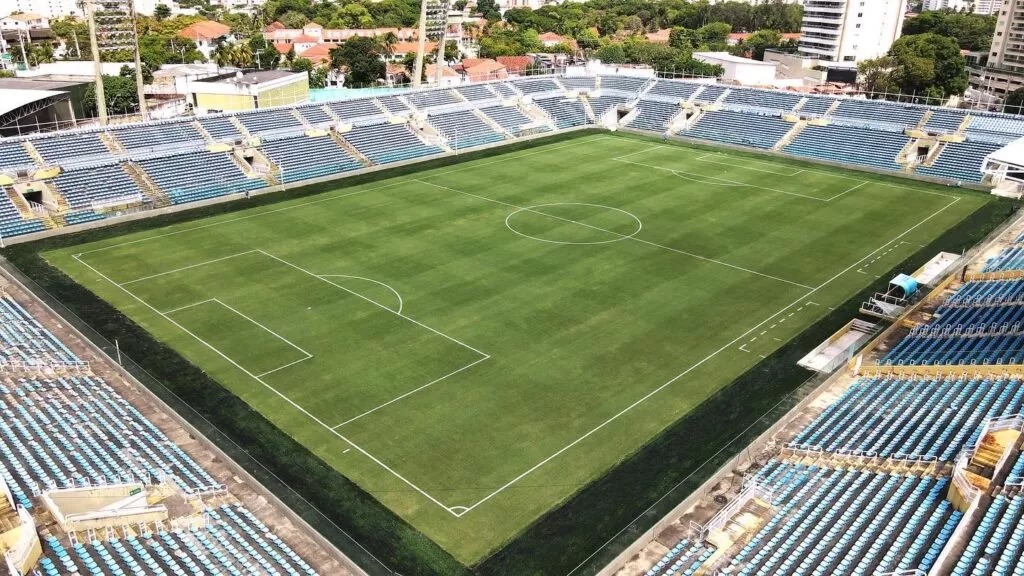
point(752, 489)
point(117, 201)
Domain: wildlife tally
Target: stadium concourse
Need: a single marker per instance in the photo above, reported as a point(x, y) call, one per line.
point(90, 484)
point(54, 181)
point(911, 461)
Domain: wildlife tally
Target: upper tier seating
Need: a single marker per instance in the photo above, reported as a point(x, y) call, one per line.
point(431, 98)
point(580, 83)
point(930, 418)
point(12, 155)
point(75, 430)
point(303, 157)
point(995, 128)
point(504, 90)
point(71, 145)
point(623, 83)
point(393, 104)
point(817, 105)
point(536, 86)
point(873, 112)
point(509, 117)
point(995, 546)
point(566, 113)
point(464, 129)
point(23, 340)
point(220, 127)
point(474, 92)
point(176, 176)
point(763, 99)
point(316, 115)
point(157, 135)
point(11, 222)
point(683, 559)
point(352, 109)
point(671, 89)
point(740, 128)
point(849, 145)
point(654, 115)
point(233, 542)
point(604, 103)
point(945, 120)
point(711, 93)
point(835, 522)
point(269, 121)
point(960, 161)
point(1009, 258)
point(105, 183)
point(385, 143)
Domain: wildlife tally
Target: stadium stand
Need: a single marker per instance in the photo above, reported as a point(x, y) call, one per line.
point(386, 143)
point(14, 155)
point(508, 117)
point(475, 92)
point(943, 120)
point(220, 127)
point(741, 128)
point(352, 109)
point(780, 101)
point(710, 93)
point(70, 145)
point(175, 176)
point(504, 90)
point(565, 113)
point(1009, 258)
point(464, 129)
point(673, 91)
point(315, 115)
point(848, 144)
point(86, 185)
point(393, 105)
point(267, 121)
point(163, 134)
point(959, 161)
point(302, 157)
point(817, 105)
point(654, 115)
point(622, 83)
point(11, 221)
point(995, 547)
point(432, 98)
point(580, 83)
point(537, 86)
point(602, 104)
point(874, 112)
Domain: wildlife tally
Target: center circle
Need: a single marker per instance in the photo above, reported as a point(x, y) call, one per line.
point(575, 223)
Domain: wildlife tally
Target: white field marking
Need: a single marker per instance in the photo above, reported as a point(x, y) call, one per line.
point(186, 306)
point(704, 360)
point(381, 306)
point(704, 180)
point(288, 365)
point(183, 268)
point(704, 158)
point(848, 190)
point(345, 451)
point(639, 152)
point(725, 182)
point(268, 386)
point(533, 209)
point(393, 291)
point(623, 236)
point(320, 200)
point(411, 392)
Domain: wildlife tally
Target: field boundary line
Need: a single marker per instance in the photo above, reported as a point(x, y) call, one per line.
point(401, 304)
point(724, 181)
point(622, 236)
point(651, 149)
point(848, 190)
point(269, 387)
point(713, 154)
point(705, 359)
point(347, 194)
point(410, 393)
point(189, 267)
point(187, 306)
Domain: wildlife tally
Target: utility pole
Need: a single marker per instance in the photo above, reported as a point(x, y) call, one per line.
point(101, 99)
point(417, 72)
point(440, 43)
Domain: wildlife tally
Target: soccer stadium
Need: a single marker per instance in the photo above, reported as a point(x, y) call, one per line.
point(562, 324)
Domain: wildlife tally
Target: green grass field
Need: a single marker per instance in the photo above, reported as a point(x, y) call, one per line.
point(473, 344)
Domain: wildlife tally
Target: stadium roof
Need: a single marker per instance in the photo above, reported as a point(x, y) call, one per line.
point(1012, 153)
point(12, 99)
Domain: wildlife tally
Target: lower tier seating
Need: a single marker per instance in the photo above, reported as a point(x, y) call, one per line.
point(11, 221)
point(740, 128)
point(995, 546)
point(602, 104)
point(176, 175)
point(84, 186)
point(838, 522)
point(565, 112)
point(464, 129)
point(71, 431)
point(1009, 258)
point(304, 157)
point(849, 145)
point(24, 340)
point(927, 418)
point(960, 161)
point(654, 115)
point(508, 117)
point(683, 559)
point(386, 143)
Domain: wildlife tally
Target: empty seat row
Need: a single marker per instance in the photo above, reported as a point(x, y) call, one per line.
point(654, 115)
point(88, 185)
point(960, 161)
point(304, 157)
point(743, 128)
point(508, 117)
point(431, 98)
point(386, 143)
point(849, 145)
point(464, 129)
point(566, 113)
point(177, 176)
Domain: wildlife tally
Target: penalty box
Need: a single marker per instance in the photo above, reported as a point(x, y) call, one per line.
point(314, 339)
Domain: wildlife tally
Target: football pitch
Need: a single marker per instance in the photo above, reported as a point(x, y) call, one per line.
point(472, 344)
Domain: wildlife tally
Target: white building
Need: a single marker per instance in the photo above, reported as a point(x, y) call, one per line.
point(850, 30)
point(741, 70)
point(45, 8)
point(26, 21)
point(983, 7)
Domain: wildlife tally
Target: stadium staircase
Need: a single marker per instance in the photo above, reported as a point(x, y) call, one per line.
point(831, 109)
point(933, 154)
point(795, 131)
point(494, 125)
point(302, 119)
point(537, 114)
point(352, 150)
point(430, 136)
point(112, 143)
point(799, 105)
point(239, 126)
point(925, 118)
point(589, 109)
point(146, 185)
point(207, 137)
point(963, 125)
point(20, 203)
point(33, 153)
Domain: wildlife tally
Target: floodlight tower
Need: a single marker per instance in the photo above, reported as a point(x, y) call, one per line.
point(433, 24)
point(113, 26)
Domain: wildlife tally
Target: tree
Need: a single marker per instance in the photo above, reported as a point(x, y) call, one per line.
point(451, 51)
point(971, 31)
point(762, 40)
point(611, 54)
point(74, 34)
point(388, 42)
point(293, 19)
point(222, 54)
point(360, 58)
point(129, 72)
point(1014, 103)
point(162, 12)
point(929, 64)
point(318, 77)
point(119, 93)
point(875, 75)
point(241, 56)
point(264, 55)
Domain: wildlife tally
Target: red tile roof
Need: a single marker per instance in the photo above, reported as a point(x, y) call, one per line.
point(515, 64)
point(204, 30)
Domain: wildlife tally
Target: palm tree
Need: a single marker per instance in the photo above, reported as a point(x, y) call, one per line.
point(241, 56)
point(222, 54)
point(388, 43)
